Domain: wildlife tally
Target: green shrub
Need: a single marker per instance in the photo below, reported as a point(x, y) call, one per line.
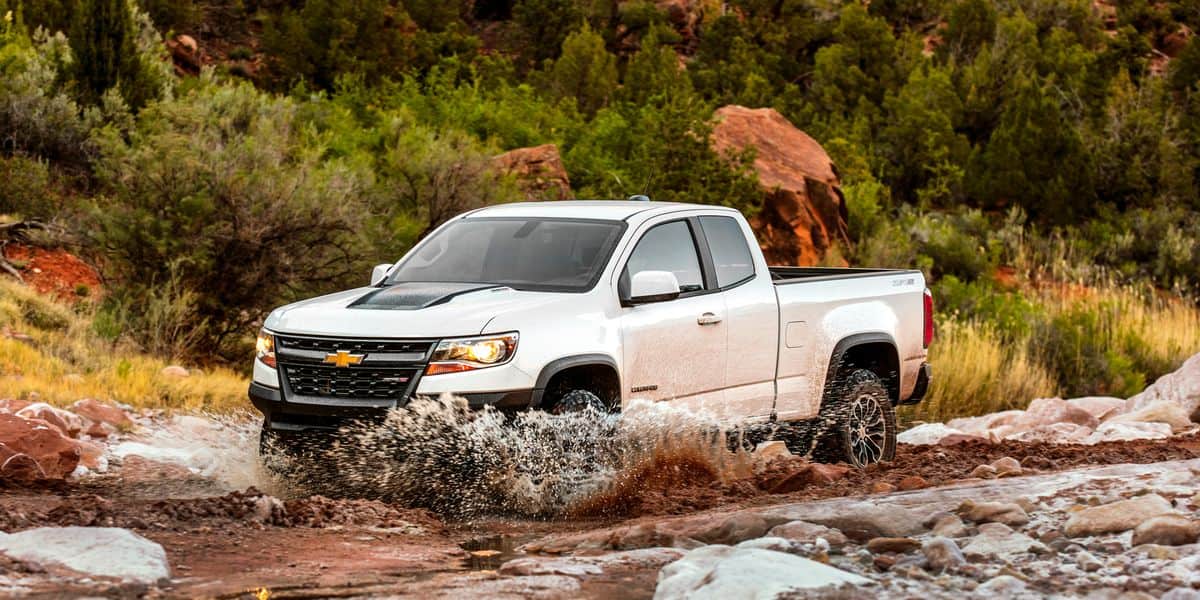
point(219, 196)
point(25, 188)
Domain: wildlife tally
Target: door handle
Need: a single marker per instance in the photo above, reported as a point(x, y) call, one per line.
point(708, 319)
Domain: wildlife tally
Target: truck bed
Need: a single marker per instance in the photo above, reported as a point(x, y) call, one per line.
point(788, 275)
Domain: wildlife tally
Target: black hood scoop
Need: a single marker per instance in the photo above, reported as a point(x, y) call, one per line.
point(416, 295)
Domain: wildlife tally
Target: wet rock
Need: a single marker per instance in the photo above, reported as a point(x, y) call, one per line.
point(175, 371)
point(1001, 586)
point(269, 509)
point(999, 540)
point(582, 566)
point(101, 412)
point(768, 451)
point(912, 482)
point(1116, 517)
point(777, 544)
point(950, 526)
point(804, 532)
point(804, 475)
point(1087, 562)
point(1111, 431)
point(1100, 407)
point(1007, 467)
point(1159, 411)
point(803, 215)
point(100, 430)
point(533, 586)
point(858, 520)
point(1181, 387)
point(884, 562)
point(882, 487)
point(70, 424)
point(994, 512)
point(1158, 552)
point(1047, 411)
point(12, 405)
point(721, 572)
point(942, 553)
point(1052, 433)
point(91, 455)
point(898, 545)
point(95, 551)
point(984, 472)
point(54, 454)
point(1167, 530)
point(539, 172)
point(730, 529)
point(1180, 593)
point(926, 434)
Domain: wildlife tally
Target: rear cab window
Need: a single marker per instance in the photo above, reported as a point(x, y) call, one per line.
point(732, 260)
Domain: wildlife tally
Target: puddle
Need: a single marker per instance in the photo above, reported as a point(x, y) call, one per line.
point(488, 552)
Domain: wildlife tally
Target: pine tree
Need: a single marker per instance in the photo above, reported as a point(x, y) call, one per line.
point(103, 45)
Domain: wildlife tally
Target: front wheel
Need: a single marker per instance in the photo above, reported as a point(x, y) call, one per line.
point(859, 421)
point(576, 401)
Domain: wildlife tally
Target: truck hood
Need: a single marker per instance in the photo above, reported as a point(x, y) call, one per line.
point(405, 310)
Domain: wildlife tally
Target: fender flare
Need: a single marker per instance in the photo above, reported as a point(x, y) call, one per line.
point(858, 339)
point(557, 366)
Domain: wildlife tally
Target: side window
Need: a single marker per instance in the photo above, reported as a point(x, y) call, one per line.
point(668, 247)
point(730, 254)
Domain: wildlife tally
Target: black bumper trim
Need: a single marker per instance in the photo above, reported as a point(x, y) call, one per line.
point(924, 377)
point(327, 414)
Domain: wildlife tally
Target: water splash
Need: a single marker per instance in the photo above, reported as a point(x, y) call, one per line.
point(222, 449)
point(440, 455)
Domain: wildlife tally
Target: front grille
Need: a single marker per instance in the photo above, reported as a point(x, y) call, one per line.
point(287, 342)
point(387, 370)
point(364, 383)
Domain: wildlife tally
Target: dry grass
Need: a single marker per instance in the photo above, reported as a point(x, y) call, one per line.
point(979, 369)
point(65, 361)
point(976, 372)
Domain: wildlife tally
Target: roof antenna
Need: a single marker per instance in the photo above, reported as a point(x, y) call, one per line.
point(639, 198)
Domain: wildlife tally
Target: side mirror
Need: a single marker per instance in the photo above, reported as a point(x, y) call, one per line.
point(379, 273)
point(653, 286)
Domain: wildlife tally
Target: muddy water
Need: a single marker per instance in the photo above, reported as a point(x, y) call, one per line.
point(463, 464)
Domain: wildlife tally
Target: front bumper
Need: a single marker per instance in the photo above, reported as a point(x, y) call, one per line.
point(330, 413)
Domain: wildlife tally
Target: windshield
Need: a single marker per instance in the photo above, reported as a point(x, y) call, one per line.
point(540, 254)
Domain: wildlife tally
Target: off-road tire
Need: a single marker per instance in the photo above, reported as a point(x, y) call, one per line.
point(578, 401)
point(857, 423)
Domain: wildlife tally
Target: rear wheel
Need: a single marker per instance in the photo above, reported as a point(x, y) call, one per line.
point(858, 422)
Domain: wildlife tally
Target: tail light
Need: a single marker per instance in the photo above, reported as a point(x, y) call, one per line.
point(928, 318)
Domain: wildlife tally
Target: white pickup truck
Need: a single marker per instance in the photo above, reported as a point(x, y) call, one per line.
point(564, 306)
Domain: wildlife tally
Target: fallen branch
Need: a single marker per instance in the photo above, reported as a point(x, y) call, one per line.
point(17, 231)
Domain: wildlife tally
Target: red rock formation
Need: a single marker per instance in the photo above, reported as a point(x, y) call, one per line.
point(33, 449)
point(804, 214)
point(539, 171)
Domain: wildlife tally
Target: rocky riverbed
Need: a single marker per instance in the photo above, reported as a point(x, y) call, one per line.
point(101, 500)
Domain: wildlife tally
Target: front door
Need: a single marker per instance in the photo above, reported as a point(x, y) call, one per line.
point(675, 350)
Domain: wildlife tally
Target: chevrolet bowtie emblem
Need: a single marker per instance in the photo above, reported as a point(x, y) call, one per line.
point(341, 358)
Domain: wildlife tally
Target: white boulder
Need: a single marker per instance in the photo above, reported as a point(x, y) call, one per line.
point(1181, 387)
point(727, 573)
point(1116, 517)
point(1101, 407)
point(1122, 431)
point(95, 551)
point(927, 434)
point(1159, 411)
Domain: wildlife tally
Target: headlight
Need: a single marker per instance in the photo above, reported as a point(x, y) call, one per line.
point(265, 348)
point(467, 354)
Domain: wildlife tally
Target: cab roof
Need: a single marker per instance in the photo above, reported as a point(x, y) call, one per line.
point(610, 210)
